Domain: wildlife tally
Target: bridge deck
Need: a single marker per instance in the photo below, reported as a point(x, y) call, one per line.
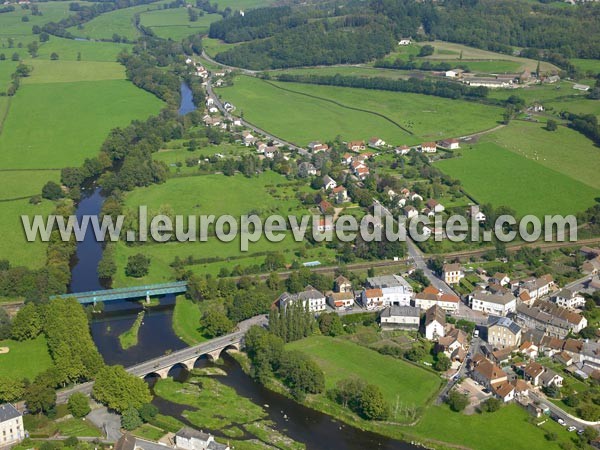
point(176, 287)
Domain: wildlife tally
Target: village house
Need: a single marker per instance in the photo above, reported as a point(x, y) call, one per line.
point(400, 317)
point(325, 207)
point(372, 299)
point(563, 358)
point(567, 298)
point(453, 344)
point(248, 138)
point(413, 197)
point(475, 213)
point(435, 323)
point(270, 152)
point(551, 378)
point(402, 150)
point(404, 41)
point(342, 284)
point(340, 194)
point(488, 373)
point(190, 439)
point(435, 206)
point(355, 146)
point(410, 212)
point(362, 172)
point(375, 142)
point(450, 74)
point(325, 224)
point(328, 182)
point(430, 296)
point(532, 372)
point(346, 159)
point(505, 391)
point(503, 332)
point(395, 290)
point(500, 278)
point(452, 273)
point(309, 297)
point(450, 144)
point(493, 304)
point(550, 319)
point(12, 430)
point(428, 147)
point(492, 83)
point(537, 287)
point(529, 350)
point(341, 300)
point(306, 169)
point(316, 147)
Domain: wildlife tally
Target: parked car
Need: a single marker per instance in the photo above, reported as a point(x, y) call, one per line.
point(571, 429)
point(561, 422)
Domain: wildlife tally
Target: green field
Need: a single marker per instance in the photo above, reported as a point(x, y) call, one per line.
point(12, 186)
point(25, 359)
point(564, 150)
point(11, 24)
point(341, 359)
point(174, 23)
point(587, 65)
point(14, 246)
point(78, 428)
point(45, 71)
point(186, 321)
point(354, 71)
point(506, 428)
point(7, 68)
point(70, 121)
point(493, 174)
point(214, 46)
point(119, 22)
point(69, 49)
point(301, 119)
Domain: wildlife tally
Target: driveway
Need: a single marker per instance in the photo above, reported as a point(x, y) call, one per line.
point(108, 422)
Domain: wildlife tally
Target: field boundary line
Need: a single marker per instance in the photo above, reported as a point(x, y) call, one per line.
point(342, 106)
point(5, 115)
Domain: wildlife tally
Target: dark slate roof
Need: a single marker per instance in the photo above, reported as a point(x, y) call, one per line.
point(8, 412)
point(504, 322)
point(401, 311)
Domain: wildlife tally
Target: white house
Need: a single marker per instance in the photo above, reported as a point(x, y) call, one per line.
point(248, 138)
point(430, 296)
point(400, 317)
point(435, 323)
point(11, 425)
point(376, 142)
point(450, 144)
point(568, 299)
point(404, 41)
point(372, 299)
point(452, 273)
point(428, 147)
point(328, 182)
point(450, 74)
point(410, 211)
point(402, 150)
point(317, 147)
point(475, 213)
point(435, 206)
point(190, 439)
point(494, 304)
point(340, 194)
point(395, 290)
point(310, 297)
point(538, 287)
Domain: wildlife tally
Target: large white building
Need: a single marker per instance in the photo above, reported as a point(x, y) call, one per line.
point(493, 304)
point(435, 323)
point(395, 290)
point(452, 273)
point(310, 297)
point(11, 426)
point(400, 317)
point(431, 296)
point(568, 299)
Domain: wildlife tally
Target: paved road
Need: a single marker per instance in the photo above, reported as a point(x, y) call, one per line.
point(474, 348)
point(108, 422)
point(558, 412)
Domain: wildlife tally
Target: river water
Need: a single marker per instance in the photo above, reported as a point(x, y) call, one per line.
point(318, 431)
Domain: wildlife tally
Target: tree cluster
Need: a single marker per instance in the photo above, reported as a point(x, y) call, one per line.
point(363, 398)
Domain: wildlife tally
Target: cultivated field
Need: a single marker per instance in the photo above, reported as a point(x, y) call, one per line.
point(175, 24)
point(493, 174)
point(70, 121)
point(45, 71)
point(301, 118)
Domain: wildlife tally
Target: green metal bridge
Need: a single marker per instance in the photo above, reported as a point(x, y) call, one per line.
point(130, 293)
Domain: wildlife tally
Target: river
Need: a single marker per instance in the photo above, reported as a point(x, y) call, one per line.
point(318, 431)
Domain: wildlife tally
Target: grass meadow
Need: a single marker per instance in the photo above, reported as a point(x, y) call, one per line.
point(186, 321)
point(175, 24)
point(491, 173)
point(119, 22)
point(46, 71)
point(11, 24)
point(14, 246)
point(12, 186)
point(25, 359)
point(587, 65)
point(7, 68)
point(70, 121)
point(341, 359)
point(69, 49)
point(301, 119)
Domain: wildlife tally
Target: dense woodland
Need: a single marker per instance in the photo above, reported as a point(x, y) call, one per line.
point(283, 37)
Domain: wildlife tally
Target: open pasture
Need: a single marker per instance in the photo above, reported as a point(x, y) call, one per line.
point(174, 23)
point(501, 177)
point(70, 50)
point(70, 121)
point(46, 71)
